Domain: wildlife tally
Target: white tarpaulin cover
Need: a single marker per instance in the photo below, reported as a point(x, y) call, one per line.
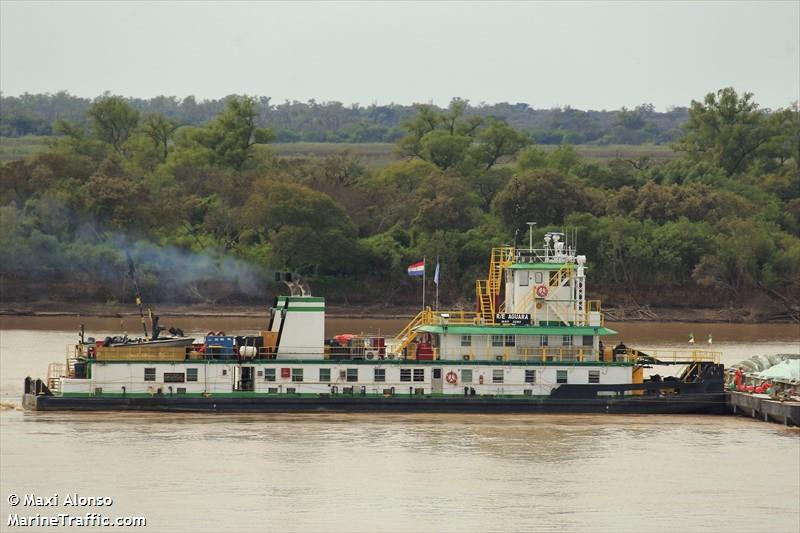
point(786, 371)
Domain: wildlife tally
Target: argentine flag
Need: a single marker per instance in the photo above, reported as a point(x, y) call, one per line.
point(417, 269)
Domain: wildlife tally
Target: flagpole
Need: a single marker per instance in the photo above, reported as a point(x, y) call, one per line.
point(437, 282)
point(423, 282)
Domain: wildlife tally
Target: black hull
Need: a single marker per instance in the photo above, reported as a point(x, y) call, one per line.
point(714, 403)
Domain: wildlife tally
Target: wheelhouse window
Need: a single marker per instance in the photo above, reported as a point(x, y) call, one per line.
point(191, 374)
point(588, 340)
point(497, 340)
point(510, 340)
point(269, 374)
point(561, 376)
point(466, 375)
point(380, 374)
point(297, 374)
point(530, 376)
point(544, 340)
point(466, 340)
point(419, 374)
point(497, 375)
point(149, 374)
point(566, 340)
point(324, 375)
point(352, 374)
point(405, 374)
point(594, 376)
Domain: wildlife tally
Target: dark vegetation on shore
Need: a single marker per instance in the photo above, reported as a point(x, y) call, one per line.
point(334, 122)
point(208, 211)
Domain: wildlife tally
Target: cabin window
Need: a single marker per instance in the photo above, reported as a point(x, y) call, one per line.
point(352, 374)
point(380, 374)
point(149, 374)
point(497, 376)
point(191, 374)
point(405, 374)
point(510, 340)
point(174, 377)
point(594, 376)
point(181, 390)
point(524, 279)
point(466, 340)
point(566, 340)
point(588, 340)
point(530, 376)
point(561, 376)
point(538, 277)
point(325, 374)
point(269, 374)
point(419, 374)
point(297, 374)
point(466, 376)
point(544, 340)
point(497, 340)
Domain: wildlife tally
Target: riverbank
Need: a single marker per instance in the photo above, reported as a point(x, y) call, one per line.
point(614, 314)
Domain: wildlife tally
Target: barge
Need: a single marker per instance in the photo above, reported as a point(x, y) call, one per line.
point(532, 343)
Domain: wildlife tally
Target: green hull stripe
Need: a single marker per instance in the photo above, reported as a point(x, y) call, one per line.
point(305, 309)
point(518, 330)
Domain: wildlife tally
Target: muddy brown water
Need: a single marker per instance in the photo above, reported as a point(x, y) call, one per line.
point(334, 472)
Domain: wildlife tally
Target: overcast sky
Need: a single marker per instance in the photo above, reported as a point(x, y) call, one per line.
point(595, 55)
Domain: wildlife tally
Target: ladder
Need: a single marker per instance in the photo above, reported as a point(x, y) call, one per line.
point(488, 290)
point(560, 277)
point(409, 333)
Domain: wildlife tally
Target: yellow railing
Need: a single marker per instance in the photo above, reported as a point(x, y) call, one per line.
point(55, 371)
point(557, 278)
point(594, 306)
point(673, 356)
point(556, 354)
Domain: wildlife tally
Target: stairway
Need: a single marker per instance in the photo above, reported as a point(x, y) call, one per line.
point(409, 333)
point(488, 290)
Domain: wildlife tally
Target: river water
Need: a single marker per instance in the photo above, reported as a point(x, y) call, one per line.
point(372, 472)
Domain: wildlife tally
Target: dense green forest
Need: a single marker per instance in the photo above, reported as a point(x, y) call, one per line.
point(36, 114)
point(208, 212)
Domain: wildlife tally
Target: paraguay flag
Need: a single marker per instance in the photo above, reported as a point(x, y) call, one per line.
point(417, 269)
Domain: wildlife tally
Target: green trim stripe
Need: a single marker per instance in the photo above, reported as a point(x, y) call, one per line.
point(518, 330)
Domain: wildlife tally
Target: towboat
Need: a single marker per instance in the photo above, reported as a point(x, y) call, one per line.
point(532, 343)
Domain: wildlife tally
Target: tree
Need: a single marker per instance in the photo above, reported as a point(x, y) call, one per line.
point(728, 130)
point(159, 129)
point(113, 121)
point(497, 140)
point(231, 135)
point(543, 196)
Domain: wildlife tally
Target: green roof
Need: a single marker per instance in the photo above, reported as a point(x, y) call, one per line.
point(518, 330)
point(538, 266)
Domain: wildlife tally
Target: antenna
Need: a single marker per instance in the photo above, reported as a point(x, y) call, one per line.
point(530, 234)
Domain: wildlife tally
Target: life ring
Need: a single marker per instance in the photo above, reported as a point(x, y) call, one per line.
point(451, 377)
point(541, 291)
